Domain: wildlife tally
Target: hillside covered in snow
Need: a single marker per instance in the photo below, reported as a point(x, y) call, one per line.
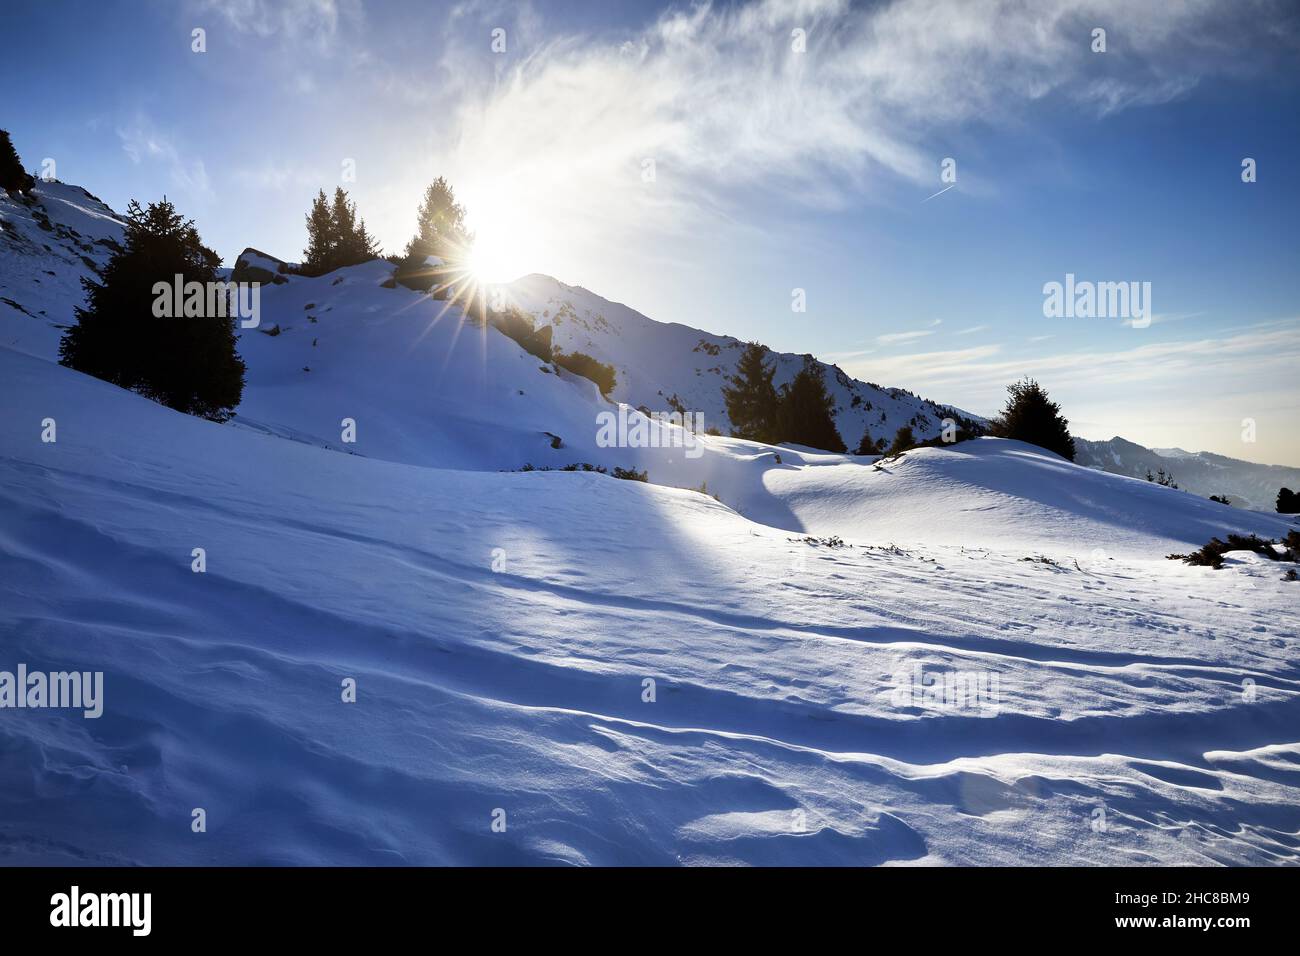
point(661, 365)
point(49, 241)
point(977, 654)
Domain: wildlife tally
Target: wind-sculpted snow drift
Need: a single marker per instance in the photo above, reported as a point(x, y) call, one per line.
point(501, 629)
point(967, 655)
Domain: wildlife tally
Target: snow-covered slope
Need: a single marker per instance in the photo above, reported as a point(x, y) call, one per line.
point(501, 626)
point(426, 387)
point(501, 629)
point(49, 241)
point(994, 492)
point(412, 381)
point(660, 365)
point(1245, 483)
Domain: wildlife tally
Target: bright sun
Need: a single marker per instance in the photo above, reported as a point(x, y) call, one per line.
point(492, 262)
point(504, 248)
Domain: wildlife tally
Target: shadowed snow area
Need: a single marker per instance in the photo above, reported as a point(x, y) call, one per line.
point(777, 733)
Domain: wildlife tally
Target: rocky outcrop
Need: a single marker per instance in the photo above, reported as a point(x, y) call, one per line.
point(254, 265)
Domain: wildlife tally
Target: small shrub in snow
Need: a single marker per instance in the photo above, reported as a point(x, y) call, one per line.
point(580, 363)
point(704, 490)
point(1163, 478)
point(631, 474)
point(834, 541)
point(1211, 553)
point(576, 466)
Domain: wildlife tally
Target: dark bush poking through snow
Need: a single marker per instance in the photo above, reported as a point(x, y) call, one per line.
point(580, 363)
point(1211, 553)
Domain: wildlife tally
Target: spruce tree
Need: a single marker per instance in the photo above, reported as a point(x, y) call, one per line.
point(903, 440)
point(440, 227)
point(343, 227)
point(441, 233)
point(1288, 502)
point(319, 254)
point(806, 411)
point(1031, 416)
point(751, 398)
point(868, 445)
point(365, 246)
point(188, 363)
point(13, 178)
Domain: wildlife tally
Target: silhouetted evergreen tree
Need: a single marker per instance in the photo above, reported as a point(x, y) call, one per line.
point(364, 246)
point(1288, 502)
point(440, 226)
point(343, 223)
point(440, 232)
point(903, 440)
point(805, 413)
point(335, 237)
point(319, 254)
point(1030, 416)
point(188, 363)
point(751, 398)
point(13, 178)
point(868, 445)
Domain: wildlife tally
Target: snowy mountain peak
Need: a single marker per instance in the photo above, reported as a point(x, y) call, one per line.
point(669, 365)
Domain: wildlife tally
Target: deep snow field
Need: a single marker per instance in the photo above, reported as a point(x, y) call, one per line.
point(501, 627)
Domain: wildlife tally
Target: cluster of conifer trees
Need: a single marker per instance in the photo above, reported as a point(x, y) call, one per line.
point(800, 411)
point(336, 236)
point(192, 364)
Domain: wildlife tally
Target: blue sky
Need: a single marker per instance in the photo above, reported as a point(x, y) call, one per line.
point(774, 169)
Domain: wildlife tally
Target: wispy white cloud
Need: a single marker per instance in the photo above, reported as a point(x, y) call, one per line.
point(316, 24)
point(890, 338)
point(676, 124)
point(1161, 318)
point(143, 142)
point(1230, 361)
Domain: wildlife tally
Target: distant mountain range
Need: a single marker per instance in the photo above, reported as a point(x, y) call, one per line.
point(1244, 483)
